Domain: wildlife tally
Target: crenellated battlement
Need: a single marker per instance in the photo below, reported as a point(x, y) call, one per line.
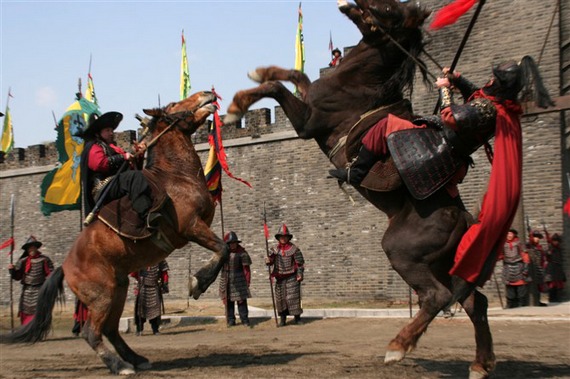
point(254, 124)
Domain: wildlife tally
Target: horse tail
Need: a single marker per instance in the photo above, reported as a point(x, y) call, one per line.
point(38, 329)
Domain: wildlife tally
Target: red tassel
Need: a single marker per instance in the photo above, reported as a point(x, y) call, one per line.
point(450, 13)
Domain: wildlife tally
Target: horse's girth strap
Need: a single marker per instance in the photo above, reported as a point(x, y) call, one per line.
point(339, 145)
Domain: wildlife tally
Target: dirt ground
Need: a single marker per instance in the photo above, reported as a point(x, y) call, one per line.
point(319, 348)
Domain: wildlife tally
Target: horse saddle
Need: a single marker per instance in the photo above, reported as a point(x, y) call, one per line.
point(383, 176)
point(120, 216)
point(424, 159)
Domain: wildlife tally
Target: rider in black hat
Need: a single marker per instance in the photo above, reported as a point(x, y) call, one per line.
point(101, 160)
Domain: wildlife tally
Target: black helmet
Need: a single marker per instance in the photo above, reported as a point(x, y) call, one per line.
point(32, 241)
point(283, 231)
point(512, 77)
point(231, 237)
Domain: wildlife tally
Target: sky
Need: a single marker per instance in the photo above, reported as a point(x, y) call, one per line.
point(135, 52)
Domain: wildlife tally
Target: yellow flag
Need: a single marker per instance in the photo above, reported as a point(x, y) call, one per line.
point(7, 142)
point(184, 72)
point(300, 44)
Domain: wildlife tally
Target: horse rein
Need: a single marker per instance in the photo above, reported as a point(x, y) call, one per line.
point(172, 124)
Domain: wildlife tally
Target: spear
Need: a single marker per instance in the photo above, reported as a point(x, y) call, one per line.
point(12, 260)
point(462, 45)
point(266, 232)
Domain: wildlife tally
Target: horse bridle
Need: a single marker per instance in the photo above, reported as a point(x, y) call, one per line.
point(173, 122)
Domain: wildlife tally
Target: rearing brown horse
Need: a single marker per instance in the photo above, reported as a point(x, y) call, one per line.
point(422, 236)
point(97, 267)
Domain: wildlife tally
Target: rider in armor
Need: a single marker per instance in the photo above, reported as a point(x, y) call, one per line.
point(491, 110)
point(100, 162)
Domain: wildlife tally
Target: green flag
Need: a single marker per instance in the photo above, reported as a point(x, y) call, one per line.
point(61, 187)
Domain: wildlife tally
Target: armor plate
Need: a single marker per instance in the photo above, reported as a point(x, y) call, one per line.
point(424, 159)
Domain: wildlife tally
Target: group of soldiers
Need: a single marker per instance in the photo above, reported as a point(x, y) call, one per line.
point(531, 269)
point(285, 259)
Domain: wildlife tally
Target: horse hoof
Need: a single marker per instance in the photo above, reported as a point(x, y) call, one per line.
point(196, 292)
point(477, 375)
point(253, 75)
point(127, 371)
point(231, 118)
point(393, 356)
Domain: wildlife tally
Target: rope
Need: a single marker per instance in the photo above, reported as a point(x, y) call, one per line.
point(547, 33)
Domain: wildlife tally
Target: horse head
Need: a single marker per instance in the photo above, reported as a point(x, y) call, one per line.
point(392, 14)
point(187, 115)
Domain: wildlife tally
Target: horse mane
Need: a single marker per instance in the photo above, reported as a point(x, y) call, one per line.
point(402, 80)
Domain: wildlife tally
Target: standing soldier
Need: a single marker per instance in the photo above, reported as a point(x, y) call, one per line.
point(537, 262)
point(235, 280)
point(288, 267)
point(515, 271)
point(32, 269)
point(152, 282)
point(554, 273)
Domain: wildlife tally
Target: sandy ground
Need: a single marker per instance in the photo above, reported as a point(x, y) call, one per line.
point(319, 348)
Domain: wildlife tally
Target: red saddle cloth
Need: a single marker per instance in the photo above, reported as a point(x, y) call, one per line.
point(120, 216)
point(383, 176)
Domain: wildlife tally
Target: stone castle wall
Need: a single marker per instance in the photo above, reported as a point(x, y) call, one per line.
point(340, 241)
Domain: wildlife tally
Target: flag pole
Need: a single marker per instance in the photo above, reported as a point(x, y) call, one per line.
point(12, 261)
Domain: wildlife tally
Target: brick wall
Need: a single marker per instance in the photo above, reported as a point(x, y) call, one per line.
point(340, 241)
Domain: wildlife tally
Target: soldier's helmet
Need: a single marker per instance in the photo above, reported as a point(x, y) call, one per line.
point(511, 78)
point(536, 233)
point(231, 237)
point(32, 241)
point(283, 231)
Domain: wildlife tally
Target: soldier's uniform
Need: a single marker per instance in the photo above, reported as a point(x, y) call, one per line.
point(152, 282)
point(288, 270)
point(515, 271)
point(234, 281)
point(32, 271)
point(537, 263)
point(554, 276)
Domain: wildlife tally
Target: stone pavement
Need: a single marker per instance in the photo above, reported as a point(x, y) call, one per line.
point(552, 312)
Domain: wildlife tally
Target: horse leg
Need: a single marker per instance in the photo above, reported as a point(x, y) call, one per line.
point(201, 234)
point(476, 308)
point(270, 73)
point(111, 330)
point(296, 110)
point(433, 297)
point(98, 296)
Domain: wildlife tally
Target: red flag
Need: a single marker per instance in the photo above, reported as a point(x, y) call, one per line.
point(451, 13)
point(215, 140)
point(266, 230)
point(8, 242)
point(567, 207)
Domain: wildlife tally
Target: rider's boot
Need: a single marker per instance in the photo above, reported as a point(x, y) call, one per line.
point(358, 169)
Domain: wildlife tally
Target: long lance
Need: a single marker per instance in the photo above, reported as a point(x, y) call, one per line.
point(462, 45)
point(266, 235)
point(123, 167)
point(498, 290)
point(12, 261)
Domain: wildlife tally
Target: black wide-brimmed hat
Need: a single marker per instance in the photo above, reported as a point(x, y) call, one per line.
point(97, 123)
point(283, 231)
point(336, 50)
point(32, 241)
point(231, 237)
point(536, 233)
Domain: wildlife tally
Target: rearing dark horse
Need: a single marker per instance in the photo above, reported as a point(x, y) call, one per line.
point(422, 236)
